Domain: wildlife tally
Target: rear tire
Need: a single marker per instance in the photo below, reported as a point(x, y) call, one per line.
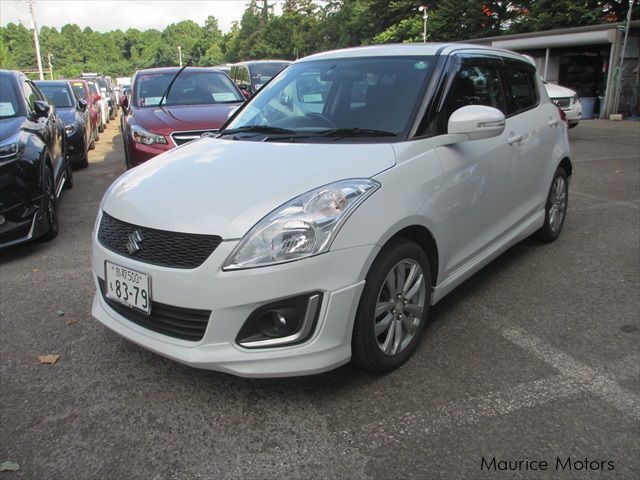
point(50, 205)
point(101, 128)
point(555, 210)
point(393, 309)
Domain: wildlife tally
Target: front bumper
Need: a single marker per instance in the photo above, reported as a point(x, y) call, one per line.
point(573, 113)
point(232, 296)
point(140, 153)
point(21, 202)
point(76, 146)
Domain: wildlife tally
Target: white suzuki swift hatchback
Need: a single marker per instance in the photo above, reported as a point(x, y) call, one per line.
point(355, 190)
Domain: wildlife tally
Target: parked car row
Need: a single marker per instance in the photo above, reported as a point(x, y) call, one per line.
point(46, 129)
point(167, 107)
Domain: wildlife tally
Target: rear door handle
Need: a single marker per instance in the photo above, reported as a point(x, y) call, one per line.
point(515, 139)
point(553, 123)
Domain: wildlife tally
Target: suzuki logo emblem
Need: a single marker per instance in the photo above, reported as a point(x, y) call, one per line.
point(135, 238)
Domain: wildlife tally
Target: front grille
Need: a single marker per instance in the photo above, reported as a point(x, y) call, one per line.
point(562, 102)
point(158, 247)
point(183, 323)
point(181, 138)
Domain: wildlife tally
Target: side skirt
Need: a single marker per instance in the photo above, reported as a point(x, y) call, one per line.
point(524, 230)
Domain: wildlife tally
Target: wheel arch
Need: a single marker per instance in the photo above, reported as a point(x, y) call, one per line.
point(567, 166)
point(423, 237)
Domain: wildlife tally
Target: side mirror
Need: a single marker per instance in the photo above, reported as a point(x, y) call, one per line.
point(82, 105)
point(286, 100)
point(476, 122)
point(245, 91)
point(124, 102)
point(97, 98)
point(42, 109)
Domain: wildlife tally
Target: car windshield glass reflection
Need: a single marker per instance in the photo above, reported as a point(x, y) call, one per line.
point(261, 73)
point(8, 98)
point(369, 96)
point(58, 95)
point(190, 88)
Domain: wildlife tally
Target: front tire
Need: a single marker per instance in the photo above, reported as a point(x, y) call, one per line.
point(68, 183)
point(555, 210)
point(393, 309)
point(50, 205)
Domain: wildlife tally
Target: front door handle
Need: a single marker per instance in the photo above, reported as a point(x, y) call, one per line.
point(515, 139)
point(553, 123)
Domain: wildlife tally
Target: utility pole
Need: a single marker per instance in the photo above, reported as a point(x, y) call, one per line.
point(425, 16)
point(265, 11)
point(616, 97)
point(180, 55)
point(49, 57)
point(36, 40)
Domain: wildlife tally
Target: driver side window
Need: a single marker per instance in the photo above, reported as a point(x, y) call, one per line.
point(476, 82)
point(29, 95)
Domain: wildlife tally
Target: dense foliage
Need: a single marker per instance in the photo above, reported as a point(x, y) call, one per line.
point(303, 27)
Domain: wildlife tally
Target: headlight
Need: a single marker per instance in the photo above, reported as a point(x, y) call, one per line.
point(302, 227)
point(575, 99)
point(141, 135)
point(71, 128)
point(11, 148)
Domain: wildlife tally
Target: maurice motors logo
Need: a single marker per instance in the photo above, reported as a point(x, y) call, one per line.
point(133, 244)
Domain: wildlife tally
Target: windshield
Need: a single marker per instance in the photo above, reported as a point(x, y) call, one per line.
point(57, 95)
point(8, 98)
point(102, 83)
point(261, 73)
point(190, 88)
point(378, 95)
point(78, 90)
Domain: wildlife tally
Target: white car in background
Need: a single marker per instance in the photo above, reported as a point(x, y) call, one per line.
point(567, 100)
point(346, 197)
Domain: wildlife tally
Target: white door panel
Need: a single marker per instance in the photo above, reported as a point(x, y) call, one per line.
point(478, 195)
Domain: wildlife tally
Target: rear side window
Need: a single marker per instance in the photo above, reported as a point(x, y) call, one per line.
point(521, 88)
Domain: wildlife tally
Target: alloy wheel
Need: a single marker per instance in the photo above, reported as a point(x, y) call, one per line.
point(558, 204)
point(399, 307)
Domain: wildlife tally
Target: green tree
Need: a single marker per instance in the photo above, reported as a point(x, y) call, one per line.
point(186, 34)
point(213, 40)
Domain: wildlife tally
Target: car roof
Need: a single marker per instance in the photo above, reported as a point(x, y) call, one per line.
point(410, 49)
point(11, 73)
point(175, 69)
point(254, 62)
point(51, 82)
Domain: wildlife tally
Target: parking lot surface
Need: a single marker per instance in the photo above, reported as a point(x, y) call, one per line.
point(536, 357)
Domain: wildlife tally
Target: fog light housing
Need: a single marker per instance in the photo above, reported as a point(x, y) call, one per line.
point(285, 322)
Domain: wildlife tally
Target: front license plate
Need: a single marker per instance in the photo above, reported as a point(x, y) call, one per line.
point(129, 287)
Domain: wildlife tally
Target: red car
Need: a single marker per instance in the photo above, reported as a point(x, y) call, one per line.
point(199, 101)
point(83, 92)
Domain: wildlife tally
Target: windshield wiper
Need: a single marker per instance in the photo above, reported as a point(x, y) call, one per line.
point(255, 129)
point(355, 132)
point(335, 132)
point(166, 92)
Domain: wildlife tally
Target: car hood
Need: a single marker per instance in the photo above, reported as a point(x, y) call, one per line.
point(10, 126)
point(556, 91)
point(183, 117)
point(223, 187)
